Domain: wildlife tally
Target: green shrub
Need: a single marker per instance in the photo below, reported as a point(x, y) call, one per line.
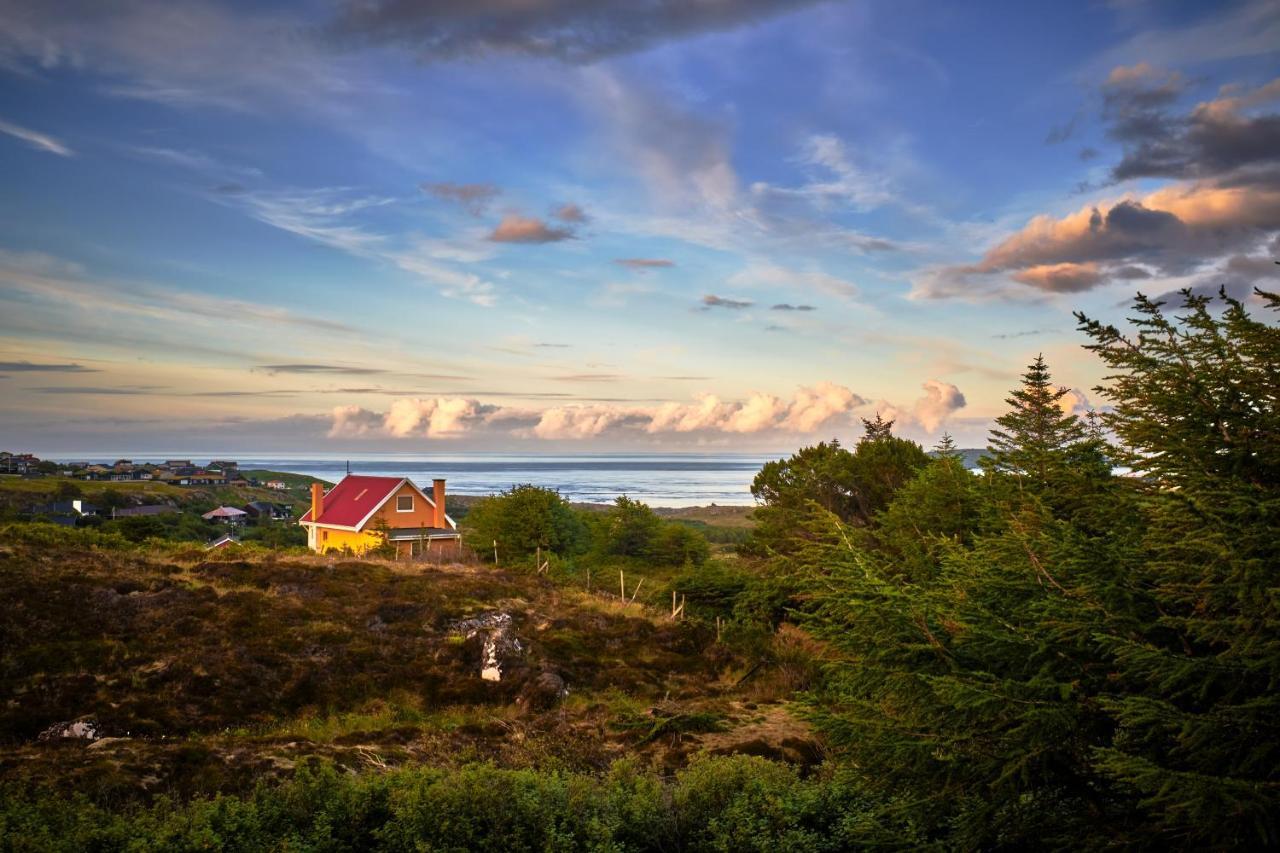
point(717, 804)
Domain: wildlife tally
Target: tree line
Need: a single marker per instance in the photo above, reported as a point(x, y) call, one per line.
point(1080, 645)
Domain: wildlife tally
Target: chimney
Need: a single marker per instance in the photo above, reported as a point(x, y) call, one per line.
point(317, 501)
point(437, 488)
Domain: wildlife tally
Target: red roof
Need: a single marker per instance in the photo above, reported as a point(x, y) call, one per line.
point(350, 502)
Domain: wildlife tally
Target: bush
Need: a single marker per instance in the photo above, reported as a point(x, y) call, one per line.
point(716, 804)
point(524, 519)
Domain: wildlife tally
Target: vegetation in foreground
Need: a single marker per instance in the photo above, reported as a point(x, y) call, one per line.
point(1048, 655)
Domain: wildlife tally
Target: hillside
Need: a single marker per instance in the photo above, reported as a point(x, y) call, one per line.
point(203, 676)
point(20, 493)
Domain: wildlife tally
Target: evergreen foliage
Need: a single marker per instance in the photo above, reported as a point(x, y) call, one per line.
point(1050, 655)
point(1198, 714)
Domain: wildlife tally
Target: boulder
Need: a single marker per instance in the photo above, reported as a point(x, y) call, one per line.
point(84, 729)
point(542, 692)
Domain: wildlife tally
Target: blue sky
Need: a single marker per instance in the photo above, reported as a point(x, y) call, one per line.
point(547, 224)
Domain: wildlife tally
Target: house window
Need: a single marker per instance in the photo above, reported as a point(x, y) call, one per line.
point(324, 536)
point(404, 503)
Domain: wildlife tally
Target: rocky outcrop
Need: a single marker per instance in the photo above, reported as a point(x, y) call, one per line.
point(500, 648)
point(85, 729)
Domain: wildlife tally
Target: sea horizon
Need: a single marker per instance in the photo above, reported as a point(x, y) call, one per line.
point(675, 479)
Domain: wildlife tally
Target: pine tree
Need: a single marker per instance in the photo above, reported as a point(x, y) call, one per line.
point(1033, 437)
point(877, 429)
point(1196, 411)
point(946, 447)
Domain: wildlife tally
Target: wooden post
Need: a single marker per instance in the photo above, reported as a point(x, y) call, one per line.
point(636, 591)
point(495, 552)
point(622, 586)
point(717, 629)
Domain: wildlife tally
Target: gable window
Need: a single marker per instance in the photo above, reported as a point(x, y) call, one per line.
point(404, 503)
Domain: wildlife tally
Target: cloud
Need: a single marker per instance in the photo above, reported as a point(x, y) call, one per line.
point(570, 212)
point(784, 306)
point(196, 161)
point(411, 417)
point(682, 155)
point(29, 367)
point(87, 389)
point(36, 139)
point(475, 198)
point(1061, 133)
point(353, 421)
point(712, 301)
point(929, 412)
point(940, 400)
point(324, 215)
point(441, 417)
point(1238, 275)
point(1223, 157)
point(811, 408)
point(1171, 231)
point(1060, 278)
point(521, 229)
point(588, 377)
point(579, 422)
point(1216, 139)
point(51, 280)
point(841, 180)
point(1075, 402)
point(341, 369)
point(767, 275)
point(566, 30)
point(642, 264)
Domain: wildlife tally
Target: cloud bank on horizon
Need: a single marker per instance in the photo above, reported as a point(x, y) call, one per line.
point(656, 224)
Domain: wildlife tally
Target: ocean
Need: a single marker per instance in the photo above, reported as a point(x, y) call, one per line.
point(668, 480)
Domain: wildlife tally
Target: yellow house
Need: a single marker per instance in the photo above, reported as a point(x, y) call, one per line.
point(362, 512)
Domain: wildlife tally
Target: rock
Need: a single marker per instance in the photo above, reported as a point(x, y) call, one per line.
point(498, 646)
point(85, 729)
point(542, 692)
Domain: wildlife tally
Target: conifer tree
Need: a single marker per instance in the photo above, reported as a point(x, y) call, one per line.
point(877, 429)
point(969, 672)
point(1197, 410)
point(946, 447)
point(1034, 435)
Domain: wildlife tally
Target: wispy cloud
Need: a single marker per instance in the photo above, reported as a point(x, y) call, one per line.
point(475, 198)
point(36, 139)
point(340, 369)
point(712, 301)
point(572, 32)
point(642, 264)
point(29, 367)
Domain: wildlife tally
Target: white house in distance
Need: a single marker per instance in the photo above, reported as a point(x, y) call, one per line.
point(226, 515)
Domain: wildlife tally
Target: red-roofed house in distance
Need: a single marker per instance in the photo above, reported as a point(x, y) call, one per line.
point(362, 512)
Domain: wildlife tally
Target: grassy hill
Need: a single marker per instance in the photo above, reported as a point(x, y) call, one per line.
point(212, 675)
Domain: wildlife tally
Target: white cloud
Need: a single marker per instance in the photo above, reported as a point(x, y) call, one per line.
point(439, 417)
point(940, 400)
point(36, 139)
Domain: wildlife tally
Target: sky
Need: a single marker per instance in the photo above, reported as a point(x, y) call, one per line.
point(603, 225)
